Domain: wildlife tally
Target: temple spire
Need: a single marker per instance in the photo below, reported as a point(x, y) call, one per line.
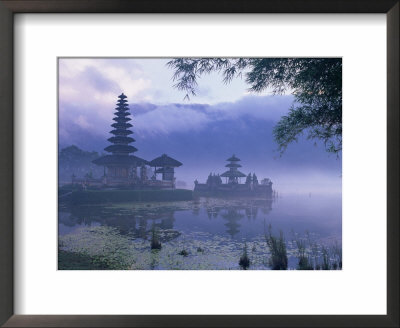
point(120, 165)
point(120, 141)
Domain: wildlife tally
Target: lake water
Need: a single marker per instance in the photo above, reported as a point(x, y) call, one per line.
point(207, 233)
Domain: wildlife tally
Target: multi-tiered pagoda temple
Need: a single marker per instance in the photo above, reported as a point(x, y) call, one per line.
point(121, 166)
point(233, 185)
point(233, 175)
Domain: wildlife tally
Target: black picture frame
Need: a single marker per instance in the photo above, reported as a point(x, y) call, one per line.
point(10, 7)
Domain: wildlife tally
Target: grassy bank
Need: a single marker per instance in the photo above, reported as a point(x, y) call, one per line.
point(114, 196)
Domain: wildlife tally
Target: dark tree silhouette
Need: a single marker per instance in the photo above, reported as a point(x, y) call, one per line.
point(316, 84)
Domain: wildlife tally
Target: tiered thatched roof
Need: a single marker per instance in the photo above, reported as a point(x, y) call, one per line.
point(233, 159)
point(165, 161)
point(121, 159)
point(233, 165)
point(233, 174)
point(120, 141)
point(233, 171)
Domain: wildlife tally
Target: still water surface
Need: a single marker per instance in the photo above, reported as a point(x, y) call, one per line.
point(206, 233)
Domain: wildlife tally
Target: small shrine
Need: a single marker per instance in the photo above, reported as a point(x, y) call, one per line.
point(233, 185)
point(165, 165)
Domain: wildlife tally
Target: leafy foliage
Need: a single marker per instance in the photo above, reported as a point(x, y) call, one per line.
point(74, 161)
point(316, 84)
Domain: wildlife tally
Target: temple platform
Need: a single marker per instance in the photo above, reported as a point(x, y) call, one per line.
point(123, 182)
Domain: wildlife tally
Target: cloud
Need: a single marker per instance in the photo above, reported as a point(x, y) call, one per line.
point(269, 108)
point(82, 122)
point(185, 117)
point(92, 85)
point(149, 119)
point(171, 118)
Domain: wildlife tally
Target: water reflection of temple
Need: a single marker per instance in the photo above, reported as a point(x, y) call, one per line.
point(232, 217)
point(251, 212)
point(212, 212)
point(236, 211)
point(137, 225)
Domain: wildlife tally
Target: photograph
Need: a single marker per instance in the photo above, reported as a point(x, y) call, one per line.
point(199, 163)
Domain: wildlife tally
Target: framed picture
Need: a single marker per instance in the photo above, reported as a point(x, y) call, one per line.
point(169, 212)
point(188, 169)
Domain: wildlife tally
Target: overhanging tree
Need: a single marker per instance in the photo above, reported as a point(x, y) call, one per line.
point(316, 84)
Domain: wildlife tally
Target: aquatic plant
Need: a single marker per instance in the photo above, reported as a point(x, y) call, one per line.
point(98, 247)
point(314, 251)
point(77, 261)
point(325, 259)
point(337, 256)
point(313, 256)
point(244, 260)
point(277, 248)
point(305, 262)
point(155, 239)
point(183, 252)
